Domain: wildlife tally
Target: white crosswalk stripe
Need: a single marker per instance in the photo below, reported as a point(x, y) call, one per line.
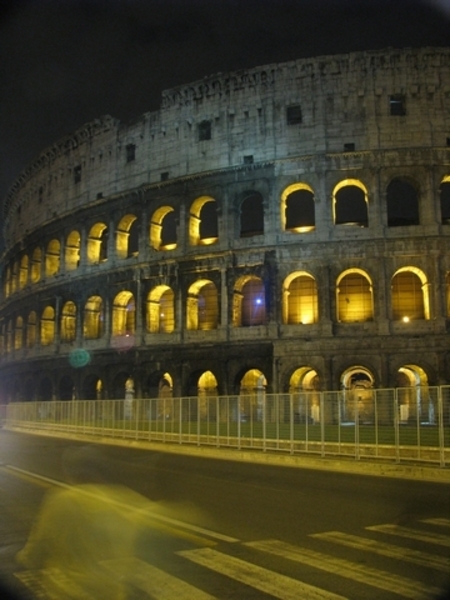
point(264, 580)
point(357, 572)
point(418, 557)
point(440, 522)
point(412, 534)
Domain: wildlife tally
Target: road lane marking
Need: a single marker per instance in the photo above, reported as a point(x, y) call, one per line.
point(437, 521)
point(264, 580)
point(168, 521)
point(441, 563)
point(155, 582)
point(344, 568)
point(25, 477)
point(412, 534)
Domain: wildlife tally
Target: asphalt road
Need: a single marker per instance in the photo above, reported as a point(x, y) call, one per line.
point(225, 529)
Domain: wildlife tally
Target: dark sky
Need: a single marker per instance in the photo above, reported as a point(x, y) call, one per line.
point(64, 63)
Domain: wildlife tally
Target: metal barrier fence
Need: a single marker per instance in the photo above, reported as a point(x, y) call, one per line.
point(401, 424)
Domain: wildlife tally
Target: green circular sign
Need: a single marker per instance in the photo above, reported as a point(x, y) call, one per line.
point(79, 358)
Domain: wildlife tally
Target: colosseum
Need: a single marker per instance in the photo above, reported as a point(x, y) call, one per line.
point(270, 230)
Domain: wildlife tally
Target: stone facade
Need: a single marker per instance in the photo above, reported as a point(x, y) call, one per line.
point(282, 228)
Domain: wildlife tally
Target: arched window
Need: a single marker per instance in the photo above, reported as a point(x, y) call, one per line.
point(97, 246)
point(444, 197)
point(249, 302)
point(52, 258)
point(354, 297)
point(124, 314)
point(202, 306)
point(203, 224)
point(127, 240)
point(163, 229)
point(18, 334)
point(68, 322)
point(410, 298)
point(31, 329)
point(48, 326)
point(297, 208)
point(36, 262)
point(300, 303)
point(93, 318)
point(23, 276)
point(402, 203)
point(160, 310)
point(252, 215)
point(73, 250)
point(350, 203)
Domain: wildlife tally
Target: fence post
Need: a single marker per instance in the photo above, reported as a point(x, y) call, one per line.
point(441, 427)
point(291, 421)
point(322, 424)
point(396, 427)
point(357, 449)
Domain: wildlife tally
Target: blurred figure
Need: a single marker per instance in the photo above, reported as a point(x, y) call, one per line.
point(81, 528)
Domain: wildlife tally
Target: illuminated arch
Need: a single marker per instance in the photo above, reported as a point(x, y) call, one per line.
point(304, 386)
point(252, 392)
point(18, 333)
point(7, 281)
point(127, 237)
point(298, 208)
point(15, 277)
point(31, 329)
point(163, 232)
point(73, 250)
point(410, 295)
point(123, 314)
point(357, 403)
point(415, 404)
point(36, 263)
point(93, 318)
point(48, 326)
point(68, 322)
point(350, 203)
point(249, 302)
point(97, 244)
point(23, 275)
point(300, 301)
point(160, 310)
point(354, 296)
point(202, 310)
point(52, 258)
point(203, 222)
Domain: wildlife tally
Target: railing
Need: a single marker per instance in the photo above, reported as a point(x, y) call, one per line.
point(402, 424)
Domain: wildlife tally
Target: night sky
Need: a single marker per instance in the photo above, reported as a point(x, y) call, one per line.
point(64, 63)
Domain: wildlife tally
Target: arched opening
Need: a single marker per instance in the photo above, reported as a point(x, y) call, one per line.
point(354, 297)
point(252, 394)
point(444, 198)
point(410, 295)
point(68, 322)
point(127, 237)
point(297, 208)
point(52, 258)
point(252, 215)
point(48, 326)
point(402, 203)
point(415, 404)
point(304, 385)
point(163, 229)
point(31, 329)
point(202, 311)
point(357, 403)
point(36, 262)
point(23, 275)
point(45, 390)
point(249, 302)
point(66, 388)
point(300, 301)
point(73, 251)
point(160, 310)
point(97, 244)
point(203, 222)
point(350, 200)
point(124, 314)
point(93, 318)
point(18, 334)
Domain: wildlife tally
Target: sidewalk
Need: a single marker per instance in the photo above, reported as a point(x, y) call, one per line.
point(374, 468)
